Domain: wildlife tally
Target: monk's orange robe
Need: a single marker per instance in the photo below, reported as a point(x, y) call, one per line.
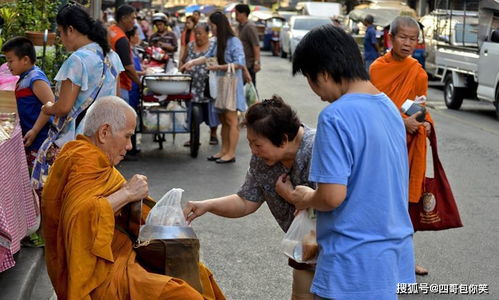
point(402, 80)
point(87, 258)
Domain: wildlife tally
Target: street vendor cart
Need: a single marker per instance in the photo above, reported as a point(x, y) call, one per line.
point(163, 109)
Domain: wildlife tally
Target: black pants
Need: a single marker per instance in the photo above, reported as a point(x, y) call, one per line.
point(253, 75)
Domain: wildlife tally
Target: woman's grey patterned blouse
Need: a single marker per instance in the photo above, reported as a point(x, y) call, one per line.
point(259, 184)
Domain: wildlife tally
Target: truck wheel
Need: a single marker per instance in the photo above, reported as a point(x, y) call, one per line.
point(453, 96)
point(497, 102)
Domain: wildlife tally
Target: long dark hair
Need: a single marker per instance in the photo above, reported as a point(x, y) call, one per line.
point(224, 33)
point(188, 31)
point(74, 15)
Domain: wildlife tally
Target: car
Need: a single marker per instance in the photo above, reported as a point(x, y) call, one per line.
point(292, 33)
point(445, 28)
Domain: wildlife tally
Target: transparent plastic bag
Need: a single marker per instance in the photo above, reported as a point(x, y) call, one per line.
point(251, 94)
point(300, 242)
point(168, 210)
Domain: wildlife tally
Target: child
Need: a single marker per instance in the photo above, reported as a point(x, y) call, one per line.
point(32, 91)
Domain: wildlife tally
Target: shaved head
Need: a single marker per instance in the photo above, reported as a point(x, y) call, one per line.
point(403, 21)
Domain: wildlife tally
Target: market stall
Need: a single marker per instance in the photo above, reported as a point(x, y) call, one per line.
point(18, 210)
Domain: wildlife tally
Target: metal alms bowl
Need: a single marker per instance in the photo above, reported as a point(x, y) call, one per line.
point(155, 232)
point(163, 84)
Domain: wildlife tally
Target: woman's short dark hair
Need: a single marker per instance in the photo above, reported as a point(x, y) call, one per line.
point(224, 33)
point(123, 11)
point(75, 16)
point(22, 47)
point(274, 120)
point(329, 49)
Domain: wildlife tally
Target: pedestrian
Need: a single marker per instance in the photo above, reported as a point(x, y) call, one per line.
point(249, 37)
point(196, 15)
point(199, 48)
point(228, 49)
point(90, 71)
point(125, 17)
point(32, 91)
point(279, 143)
point(165, 38)
point(401, 77)
point(186, 37)
point(359, 162)
point(371, 48)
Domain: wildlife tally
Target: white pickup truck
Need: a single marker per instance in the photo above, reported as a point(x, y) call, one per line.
point(468, 71)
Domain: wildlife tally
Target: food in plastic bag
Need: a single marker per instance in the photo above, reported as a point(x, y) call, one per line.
point(168, 210)
point(300, 242)
point(250, 93)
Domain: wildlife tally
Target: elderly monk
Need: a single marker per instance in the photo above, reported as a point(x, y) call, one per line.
point(87, 258)
point(401, 77)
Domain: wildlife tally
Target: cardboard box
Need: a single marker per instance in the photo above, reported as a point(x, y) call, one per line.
point(8, 102)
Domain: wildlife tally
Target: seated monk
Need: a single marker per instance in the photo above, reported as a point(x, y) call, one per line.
point(86, 256)
point(402, 77)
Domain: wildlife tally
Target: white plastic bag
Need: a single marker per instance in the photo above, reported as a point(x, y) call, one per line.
point(168, 210)
point(300, 242)
point(212, 81)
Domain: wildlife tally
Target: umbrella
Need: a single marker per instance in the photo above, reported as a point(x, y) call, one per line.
point(230, 7)
point(192, 8)
point(208, 9)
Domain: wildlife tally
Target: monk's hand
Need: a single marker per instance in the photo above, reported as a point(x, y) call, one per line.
point(194, 209)
point(136, 188)
point(427, 126)
point(411, 124)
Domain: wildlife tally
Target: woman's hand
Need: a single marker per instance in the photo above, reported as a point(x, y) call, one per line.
point(283, 187)
point(48, 109)
point(186, 67)
point(194, 209)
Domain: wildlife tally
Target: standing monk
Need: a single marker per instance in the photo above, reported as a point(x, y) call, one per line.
point(86, 256)
point(401, 77)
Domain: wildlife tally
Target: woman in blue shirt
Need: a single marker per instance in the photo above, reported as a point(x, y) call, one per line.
point(92, 63)
point(228, 49)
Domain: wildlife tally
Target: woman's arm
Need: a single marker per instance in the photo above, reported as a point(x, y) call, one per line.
point(231, 206)
point(194, 62)
point(67, 97)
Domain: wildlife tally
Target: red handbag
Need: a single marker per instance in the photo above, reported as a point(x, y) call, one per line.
point(437, 209)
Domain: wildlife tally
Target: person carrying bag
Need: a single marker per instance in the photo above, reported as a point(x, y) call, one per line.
point(226, 90)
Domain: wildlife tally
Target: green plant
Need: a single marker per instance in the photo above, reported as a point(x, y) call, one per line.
point(36, 15)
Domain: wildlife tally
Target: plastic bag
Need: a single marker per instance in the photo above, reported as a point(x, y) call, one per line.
point(168, 210)
point(300, 242)
point(250, 93)
point(212, 81)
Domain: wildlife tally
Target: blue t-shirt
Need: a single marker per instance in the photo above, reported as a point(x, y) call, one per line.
point(29, 106)
point(370, 52)
point(366, 245)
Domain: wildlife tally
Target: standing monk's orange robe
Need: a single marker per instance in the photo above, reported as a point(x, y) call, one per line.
point(87, 258)
point(402, 80)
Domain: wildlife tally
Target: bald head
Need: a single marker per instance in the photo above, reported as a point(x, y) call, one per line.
point(403, 21)
point(110, 110)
